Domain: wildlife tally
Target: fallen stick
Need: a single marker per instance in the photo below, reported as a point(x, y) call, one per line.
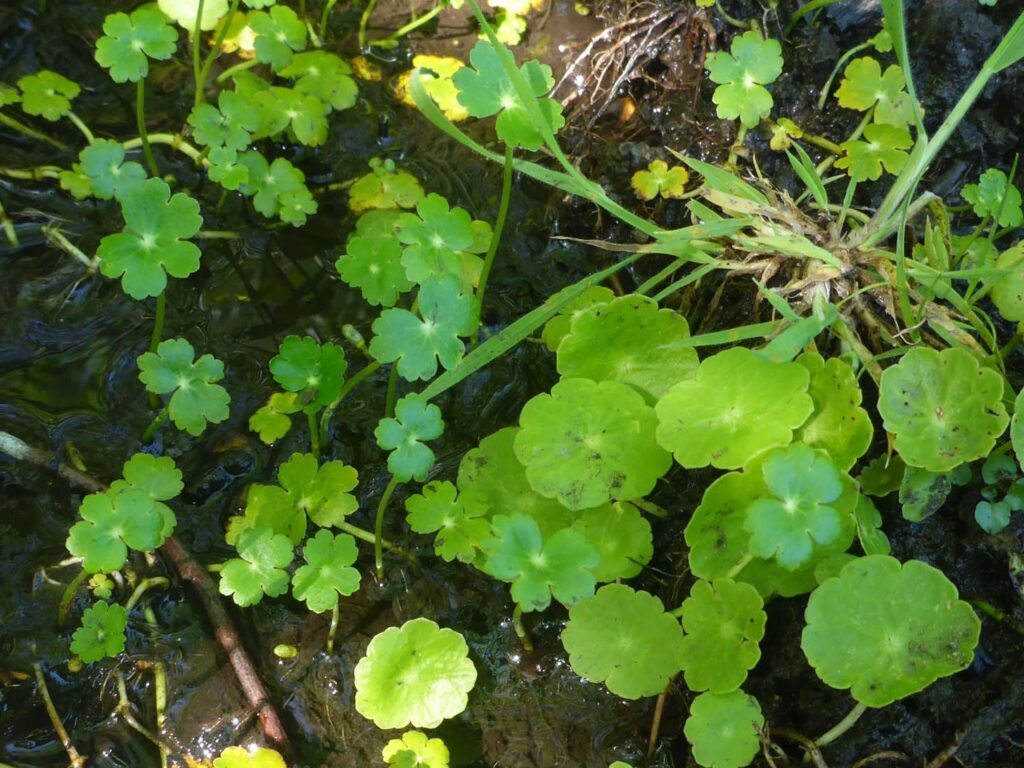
point(188, 570)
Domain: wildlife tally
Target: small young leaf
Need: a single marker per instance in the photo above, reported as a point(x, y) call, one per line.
point(102, 632)
point(865, 86)
point(384, 188)
point(110, 176)
point(212, 128)
point(154, 243)
point(724, 622)
point(415, 750)
point(661, 180)
point(415, 422)
point(197, 398)
point(624, 639)
point(741, 76)
point(993, 517)
point(588, 442)
point(537, 569)
point(128, 42)
point(486, 89)
point(884, 147)
point(313, 371)
point(460, 523)
point(417, 344)
point(259, 569)
point(323, 75)
point(282, 109)
point(417, 673)
point(279, 34)
point(798, 517)
point(271, 421)
point(723, 729)
point(882, 475)
point(237, 757)
point(433, 237)
point(995, 196)
point(869, 528)
point(327, 572)
point(374, 266)
point(278, 188)
point(47, 94)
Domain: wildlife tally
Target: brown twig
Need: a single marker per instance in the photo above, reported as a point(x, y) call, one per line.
point(188, 570)
point(805, 743)
point(659, 711)
point(879, 756)
point(945, 755)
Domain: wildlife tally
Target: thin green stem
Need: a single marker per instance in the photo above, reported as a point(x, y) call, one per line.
point(156, 423)
point(38, 173)
point(657, 279)
point(520, 629)
point(328, 7)
point(217, 234)
point(211, 57)
point(378, 527)
point(197, 41)
point(348, 386)
point(335, 619)
point(392, 392)
point(412, 26)
point(81, 126)
point(55, 236)
point(242, 66)
point(314, 435)
point(827, 88)
point(492, 249)
point(803, 10)
point(159, 681)
point(741, 136)
point(144, 586)
point(8, 227)
point(158, 321)
point(20, 127)
point(77, 761)
point(68, 597)
point(364, 22)
point(140, 119)
point(172, 140)
point(985, 607)
point(730, 19)
point(842, 726)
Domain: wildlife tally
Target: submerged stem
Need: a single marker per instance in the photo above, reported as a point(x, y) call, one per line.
point(144, 586)
point(492, 249)
point(155, 424)
point(335, 617)
point(77, 761)
point(69, 596)
point(20, 127)
point(204, 72)
point(412, 26)
point(328, 412)
point(842, 726)
point(81, 126)
point(520, 628)
point(378, 527)
point(140, 118)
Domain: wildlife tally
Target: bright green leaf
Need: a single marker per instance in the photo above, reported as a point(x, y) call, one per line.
point(47, 94)
point(110, 176)
point(723, 729)
point(415, 422)
point(538, 570)
point(112, 523)
point(883, 146)
point(184, 12)
point(197, 398)
point(316, 372)
point(996, 197)
point(741, 76)
point(271, 421)
point(327, 572)
point(433, 236)
point(278, 188)
point(102, 632)
point(384, 188)
point(374, 266)
point(323, 75)
point(838, 425)
point(588, 442)
point(865, 86)
point(558, 326)
point(886, 631)
point(417, 673)
point(659, 179)
point(279, 34)
point(416, 749)
point(237, 757)
point(259, 569)
point(624, 639)
point(321, 491)
point(459, 521)
point(154, 243)
point(128, 42)
point(620, 535)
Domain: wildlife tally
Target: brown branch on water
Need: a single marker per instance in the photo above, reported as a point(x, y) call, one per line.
point(188, 570)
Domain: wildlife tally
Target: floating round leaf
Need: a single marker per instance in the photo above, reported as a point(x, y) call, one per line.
point(102, 632)
point(624, 639)
point(738, 405)
point(722, 729)
point(724, 622)
point(588, 442)
point(196, 397)
point(327, 572)
point(632, 341)
point(620, 535)
point(886, 630)
point(943, 408)
point(417, 673)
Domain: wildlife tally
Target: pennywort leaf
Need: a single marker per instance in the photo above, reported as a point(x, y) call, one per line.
point(46, 94)
point(723, 729)
point(415, 422)
point(108, 173)
point(259, 569)
point(129, 41)
point(741, 76)
point(315, 372)
point(279, 34)
point(458, 519)
point(196, 397)
point(327, 572)
point(102, 632)
point(995, 196)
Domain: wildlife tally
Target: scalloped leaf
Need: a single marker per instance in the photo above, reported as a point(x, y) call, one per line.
point(943, 408)
point(315, 372)
point(196, 398)
point(327, 572)
point(620, 535)
point(418, 673)
point(838, 425)
point(722, 729)
point(259, 569)
point(741, 74)
point(459, 520)
point(736, 406)
point(102, 634)
point(624, 639)
point(632, 341)
point(415, 422)
point(724, 623)
point(588, 442)
point(885, 650)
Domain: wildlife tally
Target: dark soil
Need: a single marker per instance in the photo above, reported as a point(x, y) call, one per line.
point(68, 383)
